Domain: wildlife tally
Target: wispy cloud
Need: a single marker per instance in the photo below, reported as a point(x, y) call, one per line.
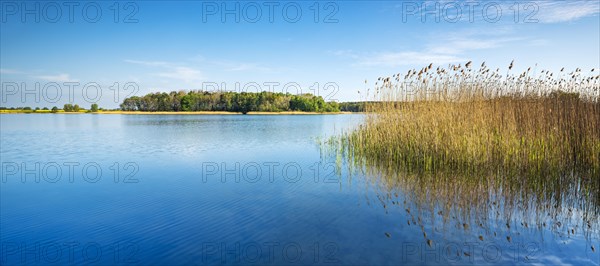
point(10, 71)
point(408, 58)
point(56, 78)
point(451, 47)
point(249, 67)
point(537, 11)
point(62, 77)
point(147, 63)
point(172, 70)
point(565, 11)
point(459, 45)
point(231, 65)
point(345, 53)
point(400, 58)
point(538, 42)
point(185, 74)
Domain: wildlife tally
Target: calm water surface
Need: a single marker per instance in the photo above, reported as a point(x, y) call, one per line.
point(231, 189)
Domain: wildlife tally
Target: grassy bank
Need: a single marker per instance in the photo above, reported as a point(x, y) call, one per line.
point(168, 113)
point(22, 111)
point(219, 113)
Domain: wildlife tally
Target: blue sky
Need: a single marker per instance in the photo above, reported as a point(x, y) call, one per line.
point(185, 45)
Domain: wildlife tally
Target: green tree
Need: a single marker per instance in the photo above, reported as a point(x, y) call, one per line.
point(130, 104)
point(94, 108)
point(54, 109)
point(76, 108)
point(186, 103)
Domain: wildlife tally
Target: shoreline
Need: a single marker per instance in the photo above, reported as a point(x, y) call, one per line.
point(172, 113)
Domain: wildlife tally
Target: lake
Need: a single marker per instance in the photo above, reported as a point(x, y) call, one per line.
point(226, 189)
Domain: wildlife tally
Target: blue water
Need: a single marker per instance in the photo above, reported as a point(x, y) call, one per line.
point(231, 189)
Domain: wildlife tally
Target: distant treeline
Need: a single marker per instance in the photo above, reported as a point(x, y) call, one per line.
point(352, 107)
point(25, 108)
point(66, 108)
point(243, 102)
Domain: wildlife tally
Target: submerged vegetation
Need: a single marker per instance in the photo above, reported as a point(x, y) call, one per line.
point(243, 102)
point(476, 147)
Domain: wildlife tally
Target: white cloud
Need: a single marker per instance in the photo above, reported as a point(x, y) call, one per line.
point(345, 53)
point(409, 58)
point(62, 77)
point(10, 71)
point(248, 67)
point(185, 74)
point(229, 65)
point(539, 42)
point(564, 11)
point(537, 11)
point(147, 63)
point(172, 70)
point(460, 45)
point(445, 48)
point(56, 78)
